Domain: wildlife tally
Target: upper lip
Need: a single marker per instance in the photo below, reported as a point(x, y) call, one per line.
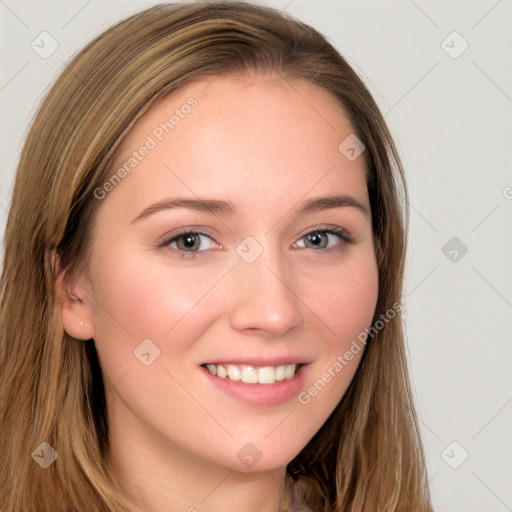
point(258, 361)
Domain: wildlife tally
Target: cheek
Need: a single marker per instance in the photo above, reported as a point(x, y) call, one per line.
point(135, 299)
point(344, 298)
point(352, 304)
point(147, 298)
point(345, 306)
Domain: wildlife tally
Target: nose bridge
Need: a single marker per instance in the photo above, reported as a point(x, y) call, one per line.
point(264, 295)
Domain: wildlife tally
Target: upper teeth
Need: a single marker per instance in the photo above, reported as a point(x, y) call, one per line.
point(252, 375)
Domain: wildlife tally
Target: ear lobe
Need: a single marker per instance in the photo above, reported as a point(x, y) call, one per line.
point(76, 315)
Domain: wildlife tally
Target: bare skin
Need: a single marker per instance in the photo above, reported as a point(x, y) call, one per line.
point(266, 146)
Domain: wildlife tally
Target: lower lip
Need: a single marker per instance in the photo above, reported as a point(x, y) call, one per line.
point(261, 394)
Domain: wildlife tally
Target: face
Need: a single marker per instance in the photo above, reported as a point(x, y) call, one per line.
point(213, 247)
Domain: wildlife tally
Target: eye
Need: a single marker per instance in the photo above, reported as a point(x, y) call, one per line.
point(193, 244)
point(189, 242)
point(324, 238)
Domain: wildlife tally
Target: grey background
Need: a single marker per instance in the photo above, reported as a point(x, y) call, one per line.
point(451, 118)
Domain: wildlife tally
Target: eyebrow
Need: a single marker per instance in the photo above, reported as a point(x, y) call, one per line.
point(228, 208)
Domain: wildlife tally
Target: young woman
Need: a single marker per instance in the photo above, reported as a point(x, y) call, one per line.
point(202, 280)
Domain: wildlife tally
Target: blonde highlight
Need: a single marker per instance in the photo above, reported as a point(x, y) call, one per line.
point(368, 455)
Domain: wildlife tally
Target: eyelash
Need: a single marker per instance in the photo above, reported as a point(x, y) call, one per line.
point(334, 230)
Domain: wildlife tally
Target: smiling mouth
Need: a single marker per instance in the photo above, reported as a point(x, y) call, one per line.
point(253, 374)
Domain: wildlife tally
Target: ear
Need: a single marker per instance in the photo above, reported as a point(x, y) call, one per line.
point(76, 314)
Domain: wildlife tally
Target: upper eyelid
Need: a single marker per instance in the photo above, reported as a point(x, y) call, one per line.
point(167, 239)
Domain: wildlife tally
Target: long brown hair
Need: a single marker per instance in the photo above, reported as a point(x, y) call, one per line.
point(367, 457)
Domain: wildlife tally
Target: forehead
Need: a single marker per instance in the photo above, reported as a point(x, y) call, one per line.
point(235, 134)
point(288, 110)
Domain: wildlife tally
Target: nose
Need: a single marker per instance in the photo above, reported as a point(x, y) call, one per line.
point(264, 298)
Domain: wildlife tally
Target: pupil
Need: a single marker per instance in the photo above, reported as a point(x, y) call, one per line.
point(316, 239)
point(189, 241)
